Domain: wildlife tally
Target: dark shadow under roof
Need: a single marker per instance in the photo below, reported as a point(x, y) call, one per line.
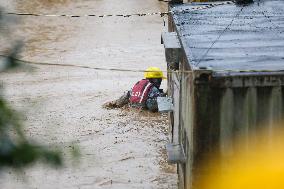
point(231, 37)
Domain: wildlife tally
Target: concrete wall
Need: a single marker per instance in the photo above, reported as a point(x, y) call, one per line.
point(209, 117)
point(211, 110)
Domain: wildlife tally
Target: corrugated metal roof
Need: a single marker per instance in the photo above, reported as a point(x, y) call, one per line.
point(231, 37)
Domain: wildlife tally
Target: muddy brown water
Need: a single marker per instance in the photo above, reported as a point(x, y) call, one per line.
point(62, 105)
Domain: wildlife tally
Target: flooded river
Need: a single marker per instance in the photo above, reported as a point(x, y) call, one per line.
point(62, 105)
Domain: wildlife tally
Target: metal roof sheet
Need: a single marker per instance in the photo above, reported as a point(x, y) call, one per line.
point(231, 37)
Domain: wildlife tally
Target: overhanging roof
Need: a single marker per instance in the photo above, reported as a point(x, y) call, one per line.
point(231, 37)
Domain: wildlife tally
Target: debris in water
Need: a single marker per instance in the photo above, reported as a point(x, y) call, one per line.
point(127, 158)
point(120, 102)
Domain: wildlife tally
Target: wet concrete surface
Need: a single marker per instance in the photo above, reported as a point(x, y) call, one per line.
point(62, 105)
point(235, 37)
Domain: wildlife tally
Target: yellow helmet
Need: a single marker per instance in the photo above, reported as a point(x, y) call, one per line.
point(153, 72)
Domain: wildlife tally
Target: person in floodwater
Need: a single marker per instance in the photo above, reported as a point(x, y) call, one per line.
point(144, 93)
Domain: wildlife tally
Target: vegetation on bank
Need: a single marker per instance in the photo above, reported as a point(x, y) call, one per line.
point(16, 150)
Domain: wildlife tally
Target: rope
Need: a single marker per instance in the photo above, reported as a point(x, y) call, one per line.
point(218, 38)
point(121, 70)
point(272, 23)
point(188, 10)
point(137, 14)
point(82, 66)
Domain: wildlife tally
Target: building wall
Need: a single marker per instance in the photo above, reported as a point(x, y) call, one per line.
point(187, 121)
point(211, 117)
point(210, 112)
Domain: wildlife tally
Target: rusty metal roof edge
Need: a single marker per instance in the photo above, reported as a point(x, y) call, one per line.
point(239, 79)
point(243, 79)
point(247, 73)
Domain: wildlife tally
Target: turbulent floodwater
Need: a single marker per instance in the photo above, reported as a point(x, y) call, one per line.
point(62, 105)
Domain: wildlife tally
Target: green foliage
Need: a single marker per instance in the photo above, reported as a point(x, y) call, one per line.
point(15, 149)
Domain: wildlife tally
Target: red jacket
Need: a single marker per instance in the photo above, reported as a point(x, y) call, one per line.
point(140, 92)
